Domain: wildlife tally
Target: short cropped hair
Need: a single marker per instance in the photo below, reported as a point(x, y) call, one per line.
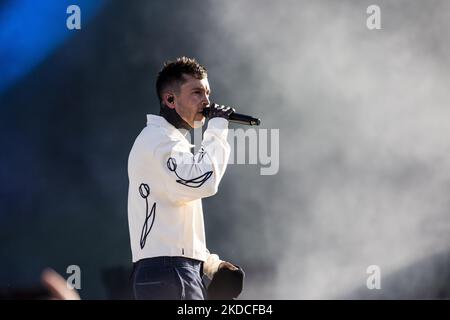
point(173, 71)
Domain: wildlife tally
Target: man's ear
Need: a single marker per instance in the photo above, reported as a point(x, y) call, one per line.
point(169, 100)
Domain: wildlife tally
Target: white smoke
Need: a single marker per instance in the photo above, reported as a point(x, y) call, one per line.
point(363, 117)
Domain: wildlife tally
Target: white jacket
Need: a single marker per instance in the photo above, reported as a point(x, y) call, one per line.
point(166, 184)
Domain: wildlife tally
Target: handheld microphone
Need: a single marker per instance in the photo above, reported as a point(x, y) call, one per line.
point(237, 118)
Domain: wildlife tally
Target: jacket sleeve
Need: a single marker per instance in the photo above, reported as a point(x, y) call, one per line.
point(211, 264)
point(188, 177)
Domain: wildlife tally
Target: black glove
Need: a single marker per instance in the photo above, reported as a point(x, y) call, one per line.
point(226, 284)
point(217, 111)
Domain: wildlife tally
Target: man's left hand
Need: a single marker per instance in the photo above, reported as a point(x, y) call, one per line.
point(227, 265)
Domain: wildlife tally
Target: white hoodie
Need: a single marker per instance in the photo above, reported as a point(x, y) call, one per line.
point(166, 184)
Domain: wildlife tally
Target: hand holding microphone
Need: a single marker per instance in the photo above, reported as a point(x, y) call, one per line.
point(215, 110)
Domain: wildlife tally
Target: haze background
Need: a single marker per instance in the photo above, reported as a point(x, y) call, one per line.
point(363, 117)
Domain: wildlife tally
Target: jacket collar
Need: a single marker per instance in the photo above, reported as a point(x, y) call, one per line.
point(159, 121)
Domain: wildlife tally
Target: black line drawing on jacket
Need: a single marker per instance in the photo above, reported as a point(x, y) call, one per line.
point(192, 183)
point(201, 152)
point(144, 190)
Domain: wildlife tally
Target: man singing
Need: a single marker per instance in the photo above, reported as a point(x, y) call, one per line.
point(167, 183)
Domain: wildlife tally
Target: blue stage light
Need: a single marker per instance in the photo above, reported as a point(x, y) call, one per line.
point(30, 30)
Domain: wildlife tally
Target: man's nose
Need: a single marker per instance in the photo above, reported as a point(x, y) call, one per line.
point(206, 100)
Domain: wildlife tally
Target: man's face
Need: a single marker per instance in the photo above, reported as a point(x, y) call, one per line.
point(192, 97)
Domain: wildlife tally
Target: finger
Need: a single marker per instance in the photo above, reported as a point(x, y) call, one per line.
point(57, 285)
point(230, 266)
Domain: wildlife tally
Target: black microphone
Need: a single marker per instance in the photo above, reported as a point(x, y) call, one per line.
point(237, 118)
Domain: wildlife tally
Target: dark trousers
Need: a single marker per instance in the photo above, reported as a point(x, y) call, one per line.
point(168, 278)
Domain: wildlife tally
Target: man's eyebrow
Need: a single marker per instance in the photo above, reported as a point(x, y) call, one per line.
point(201, 89)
